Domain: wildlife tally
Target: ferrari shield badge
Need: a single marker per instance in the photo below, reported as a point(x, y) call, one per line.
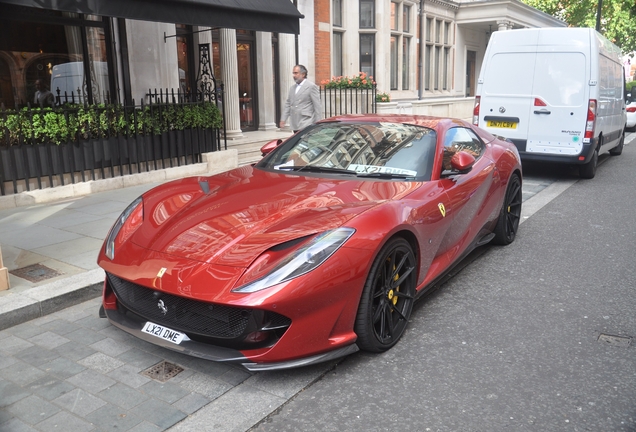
point(442, 209)
point(160, 274)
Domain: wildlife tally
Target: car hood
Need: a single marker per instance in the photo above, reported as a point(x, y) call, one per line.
point(231, 218)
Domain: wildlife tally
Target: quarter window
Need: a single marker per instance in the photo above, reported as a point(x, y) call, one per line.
point(461, 139)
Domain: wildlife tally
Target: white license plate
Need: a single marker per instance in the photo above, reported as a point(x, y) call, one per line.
point(164, 333)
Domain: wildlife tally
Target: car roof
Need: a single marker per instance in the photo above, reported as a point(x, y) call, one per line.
point(438, 123)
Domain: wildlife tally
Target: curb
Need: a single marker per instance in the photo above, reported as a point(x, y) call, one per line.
point(17, 308)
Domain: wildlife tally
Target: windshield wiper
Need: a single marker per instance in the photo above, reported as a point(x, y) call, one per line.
point(385, 175)
point(317, 169)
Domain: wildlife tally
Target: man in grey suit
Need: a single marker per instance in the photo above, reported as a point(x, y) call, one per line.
point(303, 103)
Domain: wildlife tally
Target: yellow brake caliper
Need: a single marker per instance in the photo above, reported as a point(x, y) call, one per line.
point(391, 295)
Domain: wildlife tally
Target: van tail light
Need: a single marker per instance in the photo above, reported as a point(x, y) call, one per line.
point(476, 111)
point(539, 102)
point(631, 109)
point(591, 121)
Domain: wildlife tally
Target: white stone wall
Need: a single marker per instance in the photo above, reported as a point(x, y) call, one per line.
point(306, 39)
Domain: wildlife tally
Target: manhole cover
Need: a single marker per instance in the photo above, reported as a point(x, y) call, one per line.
point(162, 371)
point(623, 341)
point(35, 273)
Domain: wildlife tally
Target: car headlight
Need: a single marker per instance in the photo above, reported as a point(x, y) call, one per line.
point(127, 223)
point(301, 261)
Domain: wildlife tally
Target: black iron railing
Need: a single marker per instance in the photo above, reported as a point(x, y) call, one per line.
point(76, 142)
point(339, 101)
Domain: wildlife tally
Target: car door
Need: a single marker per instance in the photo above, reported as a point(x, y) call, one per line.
point(471, 196)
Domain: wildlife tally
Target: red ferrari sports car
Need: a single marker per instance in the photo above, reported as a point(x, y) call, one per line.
point(318, 250)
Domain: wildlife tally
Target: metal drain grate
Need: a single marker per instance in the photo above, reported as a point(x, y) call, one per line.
point(622, 341)
point(35, 273)
point(163, 371)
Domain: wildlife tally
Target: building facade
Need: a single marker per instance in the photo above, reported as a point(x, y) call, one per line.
point(422, 53)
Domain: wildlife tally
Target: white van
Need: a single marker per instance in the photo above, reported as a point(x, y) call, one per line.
point(69, 79)
point(557, 93)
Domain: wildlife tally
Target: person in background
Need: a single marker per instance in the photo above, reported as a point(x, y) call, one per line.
point(303, 103)
point(43, 97)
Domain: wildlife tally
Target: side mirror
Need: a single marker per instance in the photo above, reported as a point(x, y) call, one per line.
point(462, 162)
point(267, 148)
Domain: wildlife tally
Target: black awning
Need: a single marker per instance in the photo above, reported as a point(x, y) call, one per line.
point(261, 15)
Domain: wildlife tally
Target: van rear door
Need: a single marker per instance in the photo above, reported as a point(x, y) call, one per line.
point(506, 95)
point(558, 115)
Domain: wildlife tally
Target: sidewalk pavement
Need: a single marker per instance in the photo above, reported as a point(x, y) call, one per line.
point(50, 247)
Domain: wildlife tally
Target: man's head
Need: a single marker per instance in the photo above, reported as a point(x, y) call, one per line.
point(299, 73)
point(39, 85)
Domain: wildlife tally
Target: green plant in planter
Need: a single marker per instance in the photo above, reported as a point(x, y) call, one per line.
point(382, 97)
point(361, 80)
point(75, 122)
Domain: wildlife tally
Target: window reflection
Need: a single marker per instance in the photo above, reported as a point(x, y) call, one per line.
point(33, 46)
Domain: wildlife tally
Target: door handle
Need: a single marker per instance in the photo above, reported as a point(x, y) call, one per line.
point(543, 111)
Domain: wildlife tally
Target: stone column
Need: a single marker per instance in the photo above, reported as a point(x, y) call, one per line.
point(265, 77)
point(504, 25)
point(229, 72)
point(287, 60)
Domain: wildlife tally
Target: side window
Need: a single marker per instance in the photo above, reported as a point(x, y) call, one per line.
point(461, 139)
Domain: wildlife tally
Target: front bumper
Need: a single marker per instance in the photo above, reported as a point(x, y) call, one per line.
point(223, 337)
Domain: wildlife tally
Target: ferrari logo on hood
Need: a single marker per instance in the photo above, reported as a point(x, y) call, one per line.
point(442, 209)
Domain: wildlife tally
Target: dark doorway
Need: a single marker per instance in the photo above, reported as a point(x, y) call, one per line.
point(471, 59)
point(245, 51)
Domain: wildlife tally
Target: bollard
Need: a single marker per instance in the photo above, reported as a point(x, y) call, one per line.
point(4, 275)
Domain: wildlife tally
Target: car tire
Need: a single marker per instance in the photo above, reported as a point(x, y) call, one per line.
point(616, 151)
point(588, 170)
point(387, 298)
point(510, 215)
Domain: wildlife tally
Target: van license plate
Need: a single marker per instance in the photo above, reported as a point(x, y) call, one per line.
point(164, 333)
point(502, 124)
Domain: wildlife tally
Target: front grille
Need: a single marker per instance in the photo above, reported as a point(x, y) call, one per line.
point(192, 316)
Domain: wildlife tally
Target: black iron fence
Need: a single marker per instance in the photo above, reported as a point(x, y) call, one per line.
point(339, 101)
point(77, 142)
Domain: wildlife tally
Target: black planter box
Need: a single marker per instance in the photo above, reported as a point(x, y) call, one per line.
point(146, 152)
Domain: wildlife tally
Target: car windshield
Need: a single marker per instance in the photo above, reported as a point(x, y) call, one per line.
point(370, 149)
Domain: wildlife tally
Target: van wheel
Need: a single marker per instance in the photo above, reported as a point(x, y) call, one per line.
point(588, 170)
point(619, 148)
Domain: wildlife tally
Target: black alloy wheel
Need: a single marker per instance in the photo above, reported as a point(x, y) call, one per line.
point(387, 298)
point(510, 216)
